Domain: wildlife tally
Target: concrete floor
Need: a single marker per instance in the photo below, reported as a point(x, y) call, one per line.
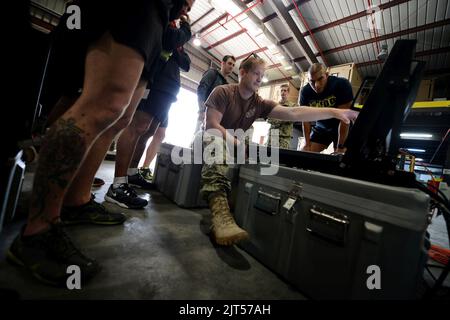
point(161, 252)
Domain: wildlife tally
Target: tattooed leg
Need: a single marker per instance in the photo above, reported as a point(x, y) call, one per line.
point(79, 192)
point(64, 148)
point(111, 76)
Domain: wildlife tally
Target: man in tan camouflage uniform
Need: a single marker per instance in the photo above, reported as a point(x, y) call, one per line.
point(233, 107)
point(284, 128)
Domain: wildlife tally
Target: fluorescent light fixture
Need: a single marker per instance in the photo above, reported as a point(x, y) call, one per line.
point(265, 80)
point(416, 135)
point(288, 68)
point(296, 76)
point(419, 159)
point(226, 6)
point(415, 150)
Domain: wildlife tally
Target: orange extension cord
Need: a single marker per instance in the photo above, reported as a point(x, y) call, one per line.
point(439, 254)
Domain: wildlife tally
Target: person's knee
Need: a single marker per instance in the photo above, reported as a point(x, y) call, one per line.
point(122, 123)
point(141, 126)
point(107, 107)
point(160, 135)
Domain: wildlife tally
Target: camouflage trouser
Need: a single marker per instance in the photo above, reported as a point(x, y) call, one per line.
point(285, 133)
point(285, 142)
point(214, 176)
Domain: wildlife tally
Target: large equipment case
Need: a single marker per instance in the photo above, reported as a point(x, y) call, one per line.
point(329, 235)
point(181, 182)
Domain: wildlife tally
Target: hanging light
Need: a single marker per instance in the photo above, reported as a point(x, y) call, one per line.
point(197, 42)
point(383, 53)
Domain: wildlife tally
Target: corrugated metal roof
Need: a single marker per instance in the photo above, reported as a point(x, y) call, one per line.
point(54, 5)
point(340, 30)
point(45, 13)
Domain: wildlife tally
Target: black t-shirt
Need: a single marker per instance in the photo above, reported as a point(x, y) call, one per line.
point(337, 92)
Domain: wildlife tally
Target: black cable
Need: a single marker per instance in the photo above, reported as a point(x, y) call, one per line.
point(438, 283)
point(440, 198)
point(435, 188)
point(440, 145)
point(443, 199)
point(431, 274)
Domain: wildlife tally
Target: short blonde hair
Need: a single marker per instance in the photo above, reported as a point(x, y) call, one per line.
point(249, 63)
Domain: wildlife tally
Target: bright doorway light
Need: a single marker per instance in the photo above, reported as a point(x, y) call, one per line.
point(182, 121)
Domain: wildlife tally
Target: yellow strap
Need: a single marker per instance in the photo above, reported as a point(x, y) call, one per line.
point(422, 104)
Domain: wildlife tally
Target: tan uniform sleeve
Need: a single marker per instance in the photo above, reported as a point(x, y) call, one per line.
point(218, 99)
point(266, 107)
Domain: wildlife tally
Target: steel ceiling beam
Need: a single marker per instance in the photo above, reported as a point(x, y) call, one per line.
point(42, 24)
point(228, 38)
point(358, 15)
point(390, 36)
point(274, 66)
point(432, 25)
point(287, 20)
point(272, 38)
point(352, 17)
point(212, 23)
point(245, 55)
point(202, 16)
point(418, 54)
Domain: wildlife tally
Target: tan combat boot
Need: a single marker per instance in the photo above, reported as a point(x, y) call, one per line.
point(225, 230)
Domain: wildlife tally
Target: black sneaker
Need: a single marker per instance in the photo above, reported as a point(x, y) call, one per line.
point(138, 181)
point(47, 256)
point(125, 196)
point(146, 173)
point(91, 212)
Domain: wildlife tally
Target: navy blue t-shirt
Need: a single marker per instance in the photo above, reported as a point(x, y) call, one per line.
point(337, 92)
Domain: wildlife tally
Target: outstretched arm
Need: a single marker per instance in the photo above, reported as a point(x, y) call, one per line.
point(312, 114)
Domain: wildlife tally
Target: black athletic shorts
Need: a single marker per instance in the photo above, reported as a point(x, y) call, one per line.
point(136, 24)
point(165, 123)
point(157, 104)
point(324, 137)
